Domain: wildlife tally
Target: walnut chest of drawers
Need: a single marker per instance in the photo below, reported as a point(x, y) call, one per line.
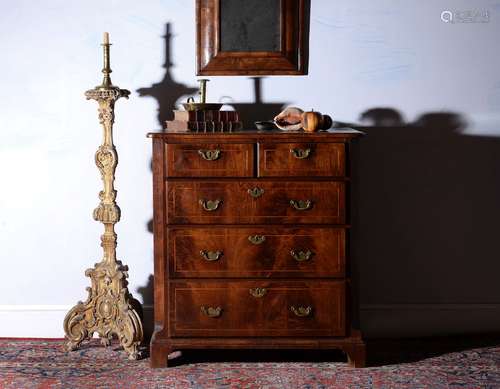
point(250, 241)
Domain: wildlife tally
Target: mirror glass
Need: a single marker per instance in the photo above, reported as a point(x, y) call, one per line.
point(250, 25)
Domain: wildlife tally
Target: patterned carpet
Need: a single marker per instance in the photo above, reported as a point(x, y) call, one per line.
point(43, 364)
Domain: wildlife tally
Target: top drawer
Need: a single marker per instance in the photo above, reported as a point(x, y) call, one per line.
point(209, 160)
point(301, 159)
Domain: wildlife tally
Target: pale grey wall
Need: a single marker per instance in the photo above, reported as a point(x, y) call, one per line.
point(428, 194)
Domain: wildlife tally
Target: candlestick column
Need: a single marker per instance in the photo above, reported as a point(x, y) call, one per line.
point(109, 309)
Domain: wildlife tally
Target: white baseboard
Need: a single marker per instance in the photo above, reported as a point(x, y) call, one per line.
point(377, 320)
point(38, 321)
point(32, 321)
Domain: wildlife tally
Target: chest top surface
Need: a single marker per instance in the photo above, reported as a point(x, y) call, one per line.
point(332, 135)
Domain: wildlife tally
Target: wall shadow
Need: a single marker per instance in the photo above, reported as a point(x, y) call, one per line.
point(257, 110)
point(166, 93)
point(147, 293)
point(427, 219)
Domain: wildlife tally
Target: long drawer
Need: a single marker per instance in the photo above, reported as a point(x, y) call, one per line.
point(257, 308)
point(221, 252)
point(262, 201)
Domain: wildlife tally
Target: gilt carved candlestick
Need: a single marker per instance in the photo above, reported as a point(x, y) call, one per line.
point(110, 309)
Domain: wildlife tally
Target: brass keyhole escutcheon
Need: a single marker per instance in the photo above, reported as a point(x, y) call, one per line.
point(211, 255)
point(257, 239)
point(258, 292)
point(301, 311)
point(301, 153)
point(255, 192)
point(301, 205)
point(210, 205)
point(210, 155)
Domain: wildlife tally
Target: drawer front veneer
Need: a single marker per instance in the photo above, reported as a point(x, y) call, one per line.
point(302, 159)
point(293, 202)
point(256, 252)
point(257, 308)
point(210, 160)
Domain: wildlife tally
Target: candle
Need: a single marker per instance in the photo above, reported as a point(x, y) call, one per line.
point(106, 69)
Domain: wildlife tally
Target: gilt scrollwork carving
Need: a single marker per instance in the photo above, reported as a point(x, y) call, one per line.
point(106, 159)
point(109, 310)
point(106, 115)
point(107, 213)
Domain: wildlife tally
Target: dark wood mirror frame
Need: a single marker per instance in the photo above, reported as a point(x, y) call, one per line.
point(291, 59)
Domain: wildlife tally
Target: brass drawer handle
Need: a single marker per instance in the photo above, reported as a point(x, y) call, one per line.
point(301, 311)
point(255, 192)
point(258, 292)
point(301, 256)
point(300, 153)
point(301, 205)
point(257, 239)
point(211, 255)
point(210, 155)
point(211, 311)
point(210, 205)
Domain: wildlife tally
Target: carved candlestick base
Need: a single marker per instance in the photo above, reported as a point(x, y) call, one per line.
point(110, 309)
